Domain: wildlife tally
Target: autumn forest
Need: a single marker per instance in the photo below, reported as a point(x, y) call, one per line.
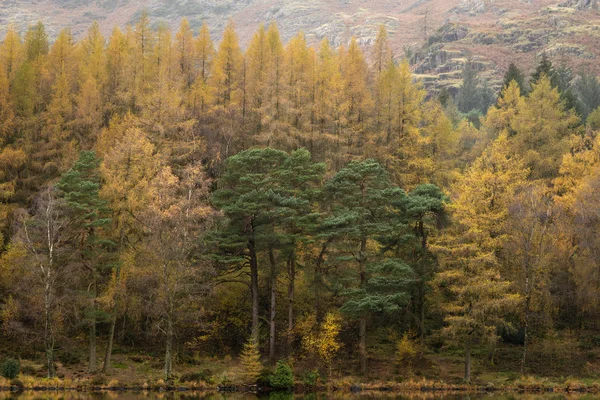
point(167, 199)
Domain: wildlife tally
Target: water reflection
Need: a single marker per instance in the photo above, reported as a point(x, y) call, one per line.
point(280, 396)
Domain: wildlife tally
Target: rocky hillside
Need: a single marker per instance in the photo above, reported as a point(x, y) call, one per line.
point(438, 35)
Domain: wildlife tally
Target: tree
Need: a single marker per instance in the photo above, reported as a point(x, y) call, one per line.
point(200, 95)
point(513, 74)
point(250, 359)
point(244, 196)
point(263, 193)
point(87, 214)
point(228, 69)
point(127, 170)
point(529, 249)
point(43, 235)
point(382, 54)
point(176, 217)
point(476, 295)
point(471, 96)
point(359, 196)
point(542, 129)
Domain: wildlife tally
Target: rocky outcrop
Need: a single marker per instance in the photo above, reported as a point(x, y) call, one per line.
point(582, 4)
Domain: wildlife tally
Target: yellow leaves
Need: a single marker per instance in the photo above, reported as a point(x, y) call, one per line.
point(542, 129)
point(321, 341)
point(228, 69)
point(406, 350)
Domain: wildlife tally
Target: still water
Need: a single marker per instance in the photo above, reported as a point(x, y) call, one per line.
point(281, 396)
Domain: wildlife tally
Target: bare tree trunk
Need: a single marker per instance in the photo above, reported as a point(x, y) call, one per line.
point(318, 280)
point(113, 318)
point(169, 349)
point(362, 344)
point(362, 334)
point(526, 310)
point(468, 360)
point(169, 331)
point(111, 338)
point(48, 334)
point(422, 316)
point(254, 290)
point(92, 367)
point(291, 288)
point(272, 307)
point(92, 362)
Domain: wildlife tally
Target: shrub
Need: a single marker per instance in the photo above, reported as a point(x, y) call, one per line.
point(283, 377)
point(16, 383)
point(251, 364)
point(10, 368)
point(311, 379)
point(406, 351)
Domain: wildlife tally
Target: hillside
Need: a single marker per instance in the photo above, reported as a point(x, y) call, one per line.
point(438, 35)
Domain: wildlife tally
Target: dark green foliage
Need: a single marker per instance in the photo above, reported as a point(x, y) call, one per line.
point(283, 376)
point(362, 200)
point(80, 187)
point(587, 90)
point(472, 95)
point(514, 74)
point(311, 379)
point(546, 68)
point(10, 368)
point(561, 78)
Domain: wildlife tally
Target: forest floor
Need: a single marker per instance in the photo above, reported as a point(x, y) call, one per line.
point(564, 364)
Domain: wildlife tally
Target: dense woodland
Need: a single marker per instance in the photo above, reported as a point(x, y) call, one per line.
point(161, 192)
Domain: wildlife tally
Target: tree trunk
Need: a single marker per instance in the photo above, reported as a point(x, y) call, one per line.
point(468, 360)
point(111, 338)
point(92, 367)
point(422, 316)
point(362, 344)
point(291, 288)
point(362, 334)
point(526, 310)
point(318, 280)
point(92, 362)
point(254, 289)
point(48, 334)
point(169, 349)
point(273, 305)
point(113, 319)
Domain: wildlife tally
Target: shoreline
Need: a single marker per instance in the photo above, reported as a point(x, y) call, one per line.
point(438, 387)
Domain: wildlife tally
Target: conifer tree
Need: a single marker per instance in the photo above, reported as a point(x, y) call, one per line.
point(228, 69)
point(359, 196)
point(476, 295)
point(542, 129)
point(87, 214)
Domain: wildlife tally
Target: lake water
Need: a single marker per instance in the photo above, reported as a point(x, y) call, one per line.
point(282, 396)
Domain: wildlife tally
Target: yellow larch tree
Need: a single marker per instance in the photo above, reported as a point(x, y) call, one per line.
point(11, 52)
point(542, 130)
point(476, 294)
point(228, 69)
point(200, 95)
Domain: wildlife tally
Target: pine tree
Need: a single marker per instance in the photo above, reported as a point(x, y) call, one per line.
point(359, 196)
point(88, 214)
point(513, 74)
